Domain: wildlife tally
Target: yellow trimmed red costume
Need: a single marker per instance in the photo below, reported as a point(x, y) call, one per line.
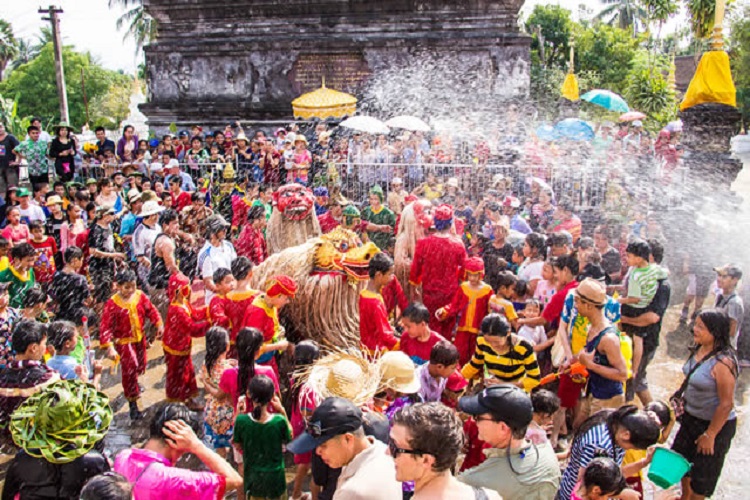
point(218, 312)
point(183, 323)
point(240, 301)
point(471, 305)
point(265, 317)
point(123, 325)
point(375, 332)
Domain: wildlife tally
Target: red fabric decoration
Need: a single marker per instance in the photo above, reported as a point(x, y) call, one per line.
point(281, 285)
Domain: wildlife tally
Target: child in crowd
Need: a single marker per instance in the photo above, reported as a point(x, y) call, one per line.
point(521, 293)
point(44, 267)
point(534, 335)
point(304, 401)
point(252, 242)
point(500, 303)
point(471, 304)
point(20, 273)
point(241, 297)
point(35, 305)
point(182, 324)
point(433, 376)
point(219, 307)
point(417, 340)
point(64, 338)
point(218, 422)
point(261, 437)
point(545, 287)
point(665, 414)
point(642, 280)
point(375, 331)
point(545, 404)
point(602, 479)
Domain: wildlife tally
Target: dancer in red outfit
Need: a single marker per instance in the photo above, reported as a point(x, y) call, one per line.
point(471, 305)
point(332, 218)
point(219, 307)
point(241, 298)
point(394, 296)
point(375, 332)
point(122, 333)
point(183, 323)
point(240, 207)
point(437, 261)
point(263, 314)
point(252, 242)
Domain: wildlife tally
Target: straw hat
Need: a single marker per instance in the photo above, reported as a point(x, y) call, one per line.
point(241, 137)
point(61, 422)
point(344, 374)
point(151, 208)
point(53, 200)
point(300, 138)
point(397, 372)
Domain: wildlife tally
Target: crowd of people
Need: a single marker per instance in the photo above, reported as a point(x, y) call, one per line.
point(502, 341)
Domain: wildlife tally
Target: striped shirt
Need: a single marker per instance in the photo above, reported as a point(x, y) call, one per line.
point(596, 442)
point(643, 282)
point(511, 366)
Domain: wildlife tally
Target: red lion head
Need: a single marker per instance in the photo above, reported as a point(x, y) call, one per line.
point(294, 201)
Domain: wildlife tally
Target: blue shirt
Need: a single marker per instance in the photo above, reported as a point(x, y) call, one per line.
point(64, 365)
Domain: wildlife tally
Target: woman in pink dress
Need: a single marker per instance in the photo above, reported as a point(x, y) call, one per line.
point(15, 232)
point(301, 161)
point(74, 226)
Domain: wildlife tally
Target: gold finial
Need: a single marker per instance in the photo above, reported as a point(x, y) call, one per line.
point(323, 84)
point(571, 64)
point(717, 39)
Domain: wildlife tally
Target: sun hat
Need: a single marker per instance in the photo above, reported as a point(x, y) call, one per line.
point(151, 208)
point(134, 195)
point(300, 138)
point(173, 163)
point(731, 270)
point(61, 422)
point(279, 131)
point(53, 200)
point(637, 123)
point(397, 372)
point(91, 181)
point(397, 180)
point(592, 291)
point(506, 403)
point(104, 210)
point(333, 417)
point(241, 137)
point(21, 192)
point(452, 182)
point(63, 124)
point(345, 374)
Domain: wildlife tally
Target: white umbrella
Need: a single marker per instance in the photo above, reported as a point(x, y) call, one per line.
point(366, 124)
point(407, 122)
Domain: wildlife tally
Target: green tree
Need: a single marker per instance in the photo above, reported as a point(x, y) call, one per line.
point(607, 51)
point(141, 27)
point(8, 45)
point(660, 11)
point(626, 14)
point(112, 107)
point(555, 26)
point(647, 90)
point(701, 13)
point(27, 51)
point(32, 85)
point(739, 54)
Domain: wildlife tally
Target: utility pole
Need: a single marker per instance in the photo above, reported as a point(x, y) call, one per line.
point(54, 20)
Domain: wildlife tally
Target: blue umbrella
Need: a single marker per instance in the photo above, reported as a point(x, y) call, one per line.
point(606, 99)
point(574, 130)
point(546, 133)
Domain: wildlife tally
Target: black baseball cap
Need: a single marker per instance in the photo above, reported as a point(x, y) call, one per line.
point(506, 403)
point(334, 416)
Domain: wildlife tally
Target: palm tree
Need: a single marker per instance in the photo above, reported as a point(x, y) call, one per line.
point(27, 51)
point(701, 16)
point(8, 45)
point(624, 13)
point(140, 25)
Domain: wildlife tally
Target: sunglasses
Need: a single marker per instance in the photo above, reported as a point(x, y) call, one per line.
point(396, 451)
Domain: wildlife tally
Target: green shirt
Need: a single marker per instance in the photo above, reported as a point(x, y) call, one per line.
point(19, 285)
point(263, 454)
point(384, 216)
point(35, 154)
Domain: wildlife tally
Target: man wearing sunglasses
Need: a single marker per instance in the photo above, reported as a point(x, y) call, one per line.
point(336, 433)
point(515, 468)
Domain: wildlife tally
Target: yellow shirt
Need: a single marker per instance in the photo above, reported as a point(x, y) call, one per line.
point(503, 306)
point(4, 263)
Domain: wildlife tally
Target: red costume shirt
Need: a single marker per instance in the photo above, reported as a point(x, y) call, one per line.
point(240, 301)
point(471, 305)
point(393, 295)
point(44, 267)
point(123, 322)
point(218, 312)
point(252, 244)
point(183, 323)
point(240, 208)
point(327, 222)
point(437, 260)
point(181, 201)
point(419, 352)
point(375, 332)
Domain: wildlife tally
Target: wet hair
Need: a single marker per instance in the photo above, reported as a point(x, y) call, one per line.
point(416, 312)
point(644, 431)
point(495, 325)
point(165, 195)
point(506, 279)
point(435, 430)
point(380, 263)
point(569, 262)
point(248, 343)
point(34, 297)
point(255, 213)
point(22, 251)
point(656, 250)
point(242, 267)
point(175, 180)
point(125, 276)
point(521, 288)
point(60, 332)
point(639, 248)
point(586, 242)
point(604, 231)
point(198, 196)
point(39, 186)
point(260, 391)
point(663, 411)
point(221, 274)
point(606, 474)
point(306, 353)
point(26, 333)
point(444, 353)
point(544, 401)
point(107, 486)
point(537, 242)
point(217, 340)
point(168, 154)
point(173, 411)
point(717, 324)
point(104, 181)
point(36, 224)
point(167, 216)
point(82, 195)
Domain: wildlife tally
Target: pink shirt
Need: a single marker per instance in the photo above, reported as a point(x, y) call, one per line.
point(154, 478)
point(228, 381)
point(16, 235)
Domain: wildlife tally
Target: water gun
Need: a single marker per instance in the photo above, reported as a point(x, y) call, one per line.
point(576, 371)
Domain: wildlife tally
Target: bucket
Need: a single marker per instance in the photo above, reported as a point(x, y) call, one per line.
point(667, 468)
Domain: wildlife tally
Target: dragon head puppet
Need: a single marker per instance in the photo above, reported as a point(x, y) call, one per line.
point(341, 251)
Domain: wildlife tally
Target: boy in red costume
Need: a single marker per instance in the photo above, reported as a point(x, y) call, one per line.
point(220, 305)
point(183, 323)
point(418, 340)
point(263, 314)
point(470, 304)
point(241, 298)
point(437, 261)
point(252, 242)
point(375, 332)
point(122, 333)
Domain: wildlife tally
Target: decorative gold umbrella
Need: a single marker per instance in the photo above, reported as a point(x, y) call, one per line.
point(324, 103)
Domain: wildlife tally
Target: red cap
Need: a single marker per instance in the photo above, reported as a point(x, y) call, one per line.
point(472, 265)
point(177, 282)
point(444, 212)
point(456, 382)
point(281, 285)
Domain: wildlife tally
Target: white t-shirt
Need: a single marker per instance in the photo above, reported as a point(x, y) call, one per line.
point(531, 271)
point(533, 334)
point(143, 239)
point(34, 212)
point(211, 258)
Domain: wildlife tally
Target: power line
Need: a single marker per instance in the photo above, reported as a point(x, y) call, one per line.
point(54, 20)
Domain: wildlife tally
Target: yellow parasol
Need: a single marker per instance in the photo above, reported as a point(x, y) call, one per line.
point(324, 103)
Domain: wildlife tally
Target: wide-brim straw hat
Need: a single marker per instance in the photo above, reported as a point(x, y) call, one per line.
point(63, 125)
point(398, 372)
point(345, 374)
point(62, 422)
point(151, 208)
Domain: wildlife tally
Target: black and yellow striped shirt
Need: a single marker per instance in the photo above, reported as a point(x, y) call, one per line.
point(512, 366)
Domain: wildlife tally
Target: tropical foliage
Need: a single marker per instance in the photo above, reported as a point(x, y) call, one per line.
point(8, 45)
point(141, 27)
point(625, 14)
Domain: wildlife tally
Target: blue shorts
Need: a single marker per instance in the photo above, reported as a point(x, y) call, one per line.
point(216, 441)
